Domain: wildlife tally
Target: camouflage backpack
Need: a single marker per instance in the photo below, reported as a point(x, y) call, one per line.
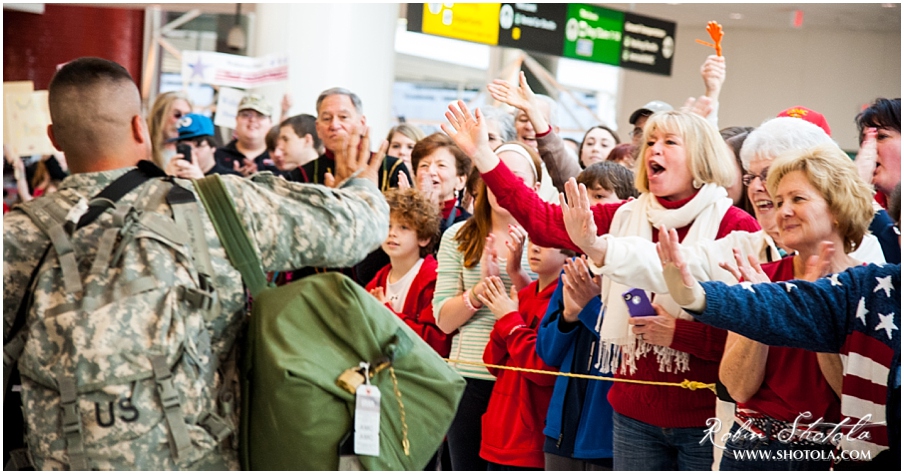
point(114, 352)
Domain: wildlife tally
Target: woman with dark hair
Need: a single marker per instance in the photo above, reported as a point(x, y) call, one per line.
point(879, 160)
point(441, 171)
point(879, 163)
point(596, 145)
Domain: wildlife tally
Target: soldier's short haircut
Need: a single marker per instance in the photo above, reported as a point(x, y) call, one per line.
point(356, 101)
point(88, 71)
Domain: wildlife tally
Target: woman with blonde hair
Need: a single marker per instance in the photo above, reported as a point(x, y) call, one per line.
point(469, 252)
point(163, 124)
point(682, 173)
point(818, 197)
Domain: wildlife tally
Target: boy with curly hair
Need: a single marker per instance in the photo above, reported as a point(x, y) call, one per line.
point(407, 284)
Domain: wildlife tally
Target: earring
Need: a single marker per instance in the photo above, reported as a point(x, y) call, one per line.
point(697, 184)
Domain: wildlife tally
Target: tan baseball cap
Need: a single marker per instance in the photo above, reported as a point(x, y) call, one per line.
point(256, 102)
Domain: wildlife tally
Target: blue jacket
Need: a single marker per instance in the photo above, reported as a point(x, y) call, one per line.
point(574, 429)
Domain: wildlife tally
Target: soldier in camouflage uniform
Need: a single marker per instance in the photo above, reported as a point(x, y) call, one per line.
point(96, 120)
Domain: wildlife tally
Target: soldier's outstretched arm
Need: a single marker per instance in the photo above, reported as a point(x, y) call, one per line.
point(295, 225)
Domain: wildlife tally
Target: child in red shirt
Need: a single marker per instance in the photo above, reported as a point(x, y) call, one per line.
point(406, 285)
point(512, 434)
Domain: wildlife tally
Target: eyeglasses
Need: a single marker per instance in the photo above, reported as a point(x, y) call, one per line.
point(248, 114)
point(748, 178)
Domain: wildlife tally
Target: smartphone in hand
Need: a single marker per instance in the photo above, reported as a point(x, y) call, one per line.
point(638, 303)
point(185, 150)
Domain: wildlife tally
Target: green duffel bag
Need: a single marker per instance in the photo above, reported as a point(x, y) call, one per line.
point(304, 345)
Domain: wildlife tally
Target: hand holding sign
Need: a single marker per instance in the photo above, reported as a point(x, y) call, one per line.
point(715, 32)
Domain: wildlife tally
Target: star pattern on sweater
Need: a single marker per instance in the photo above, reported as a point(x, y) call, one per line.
point(789, 286)
point(884, 284)
point(861, 310)
point(834, 280)
point(886, 322)
point(748, 286)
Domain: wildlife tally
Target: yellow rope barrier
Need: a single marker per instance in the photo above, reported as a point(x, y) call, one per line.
point(690, 385)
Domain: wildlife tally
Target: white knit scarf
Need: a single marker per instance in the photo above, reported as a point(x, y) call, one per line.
point(619, 346)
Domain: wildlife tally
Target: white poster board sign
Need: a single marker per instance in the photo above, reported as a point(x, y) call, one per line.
point(231, 70)
point(25, 120)
point(227, 107)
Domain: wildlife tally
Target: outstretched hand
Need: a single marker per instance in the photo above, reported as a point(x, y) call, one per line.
point(702, 106)
point(578, 288)
point(818, 266)
point(355, 157)
point(489, 260)
point(469, 132)
point(670, 253)
point(867, 156)
point(520, 97)
point(579, 223)
point(713, 73)
point(748, 271)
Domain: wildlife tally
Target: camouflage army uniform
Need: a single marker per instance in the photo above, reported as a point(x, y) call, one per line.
point(292, 225)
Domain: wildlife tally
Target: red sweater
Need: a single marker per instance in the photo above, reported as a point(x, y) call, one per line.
point(512, 427)
point(667, 407)
point(417, 311)
point(793, 383)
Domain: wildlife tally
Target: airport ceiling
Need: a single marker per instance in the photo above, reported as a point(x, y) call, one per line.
point(877, 17)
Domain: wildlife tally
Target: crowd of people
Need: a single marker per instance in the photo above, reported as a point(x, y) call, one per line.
point(509, 247)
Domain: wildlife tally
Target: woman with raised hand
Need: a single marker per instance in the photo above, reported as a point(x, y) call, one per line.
point(684, 168)
point(469, 252)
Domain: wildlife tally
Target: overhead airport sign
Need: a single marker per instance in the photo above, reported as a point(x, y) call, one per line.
point(576, 31)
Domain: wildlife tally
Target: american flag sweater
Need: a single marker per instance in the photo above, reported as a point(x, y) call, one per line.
point(855, 313)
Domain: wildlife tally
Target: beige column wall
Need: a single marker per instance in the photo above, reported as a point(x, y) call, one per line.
point(330, 45)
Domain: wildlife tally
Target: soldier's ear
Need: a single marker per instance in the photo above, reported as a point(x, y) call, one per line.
point(139, 129)
point(52, 138)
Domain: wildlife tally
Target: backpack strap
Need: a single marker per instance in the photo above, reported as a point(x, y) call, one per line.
point(232, 233)
point(187, 216)
point(72, 425)
point(52, 225)
point(179, 440)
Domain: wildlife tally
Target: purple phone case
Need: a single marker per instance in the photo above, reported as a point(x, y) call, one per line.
point(638, 303)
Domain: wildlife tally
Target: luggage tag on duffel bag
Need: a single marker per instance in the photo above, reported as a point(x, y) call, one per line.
point(367, 416)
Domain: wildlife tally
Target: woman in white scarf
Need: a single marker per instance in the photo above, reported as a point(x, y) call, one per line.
point(682, 173)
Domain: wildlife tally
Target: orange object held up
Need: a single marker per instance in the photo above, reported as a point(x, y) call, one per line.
point(715, 32)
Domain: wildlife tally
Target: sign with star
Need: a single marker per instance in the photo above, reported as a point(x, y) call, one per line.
point(230, 70)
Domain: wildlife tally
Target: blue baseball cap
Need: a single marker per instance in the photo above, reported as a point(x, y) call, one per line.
point(193, 126)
